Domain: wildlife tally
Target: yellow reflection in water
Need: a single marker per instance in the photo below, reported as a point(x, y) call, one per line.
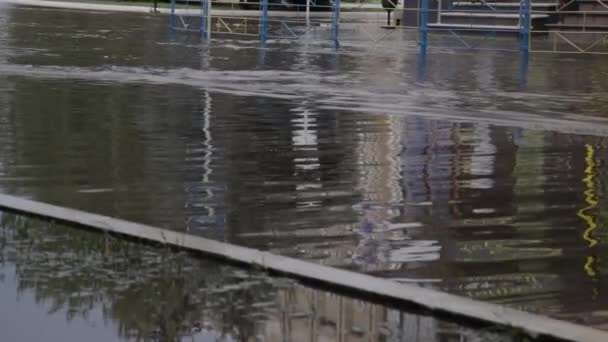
point(590, 197)
point(589, 266)
point(591, 200)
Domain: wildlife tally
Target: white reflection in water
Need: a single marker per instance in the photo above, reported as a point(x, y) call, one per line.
point(483, 158)
point(304, 140)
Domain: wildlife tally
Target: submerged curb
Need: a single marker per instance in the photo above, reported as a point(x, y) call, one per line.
point(535, 325)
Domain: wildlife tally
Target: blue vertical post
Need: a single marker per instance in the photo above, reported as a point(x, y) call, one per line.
point(172, 16)
point(203, 19)
point(424, 23)
point(335, 22)
point(206, 19)
point(264, 28)
point(524, 25)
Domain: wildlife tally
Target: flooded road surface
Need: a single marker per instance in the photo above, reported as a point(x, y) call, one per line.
point(470, 172)
point(74, 285)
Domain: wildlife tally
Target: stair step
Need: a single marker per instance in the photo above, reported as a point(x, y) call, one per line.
point(575, 26)
point(476, 27)
point(490, 15)
point(503, 4)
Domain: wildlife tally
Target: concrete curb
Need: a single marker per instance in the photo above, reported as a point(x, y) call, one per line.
point(433, 300)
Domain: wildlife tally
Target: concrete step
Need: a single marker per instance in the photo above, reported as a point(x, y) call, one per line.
point(583, 15)
point(485, 18)
point(586, 19)
point(500, 6)
point(489, 14)
point(577, 28)
point(474, 27)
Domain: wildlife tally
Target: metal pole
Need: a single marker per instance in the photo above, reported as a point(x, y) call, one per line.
point(424, 22)
point(203, 18)
point(264, 28)
point(335, 23)
point(172, 16)
point(206, 19)
point(209, 19)
point(584, 21)
point(524, 24)
point(308, 12)
point(439, 11)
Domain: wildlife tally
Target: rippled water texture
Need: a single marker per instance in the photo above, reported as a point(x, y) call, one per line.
point(79, 286)
point(469, 172)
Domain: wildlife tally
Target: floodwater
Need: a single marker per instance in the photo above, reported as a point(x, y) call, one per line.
point(60, 284)
point(479, 173)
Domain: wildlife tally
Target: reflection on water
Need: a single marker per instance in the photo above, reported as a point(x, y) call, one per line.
point(465, 179)
point(109, 289)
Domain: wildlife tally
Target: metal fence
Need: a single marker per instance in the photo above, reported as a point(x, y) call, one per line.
point(576, 26)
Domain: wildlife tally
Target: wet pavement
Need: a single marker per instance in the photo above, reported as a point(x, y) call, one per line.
point(470, 172)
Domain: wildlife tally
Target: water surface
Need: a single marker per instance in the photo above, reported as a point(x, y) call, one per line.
point(74, 285)
point(470, 172)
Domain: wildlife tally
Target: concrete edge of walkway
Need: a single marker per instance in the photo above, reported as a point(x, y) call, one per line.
point(127, 8)
point(433, 300)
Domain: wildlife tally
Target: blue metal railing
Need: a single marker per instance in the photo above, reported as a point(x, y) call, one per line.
point(424, 16)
